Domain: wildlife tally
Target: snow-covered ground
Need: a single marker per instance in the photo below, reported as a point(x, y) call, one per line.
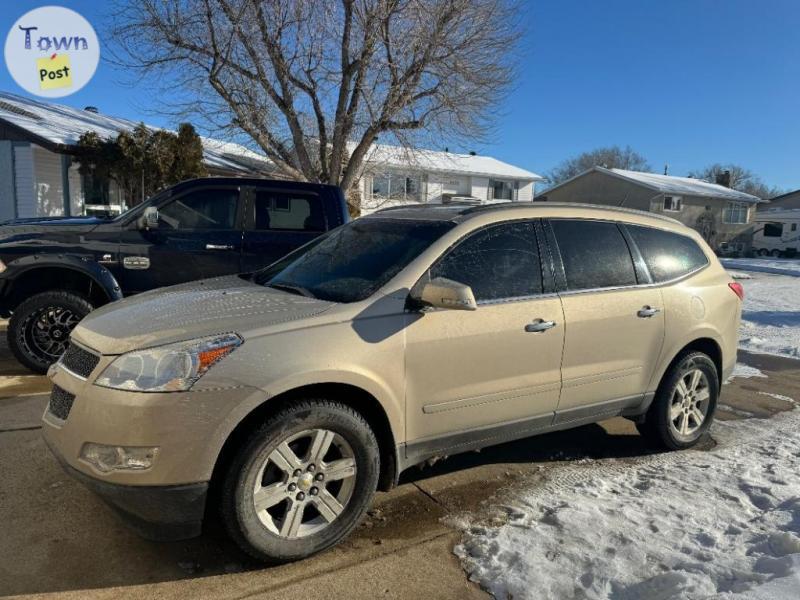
point(723, 523)
point(771, 311)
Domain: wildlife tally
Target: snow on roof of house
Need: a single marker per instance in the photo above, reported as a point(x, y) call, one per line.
point(681, 185)
point(445, 162)
point(61, 125)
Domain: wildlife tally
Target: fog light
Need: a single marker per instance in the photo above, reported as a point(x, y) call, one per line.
point(118, 458)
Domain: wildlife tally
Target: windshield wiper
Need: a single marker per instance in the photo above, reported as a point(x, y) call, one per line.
point(292, 289)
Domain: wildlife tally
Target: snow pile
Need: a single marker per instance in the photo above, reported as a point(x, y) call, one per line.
point(771, 310)
point(723, 523)
point(744, 371)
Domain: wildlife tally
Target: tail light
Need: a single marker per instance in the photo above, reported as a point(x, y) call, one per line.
point(737, 289)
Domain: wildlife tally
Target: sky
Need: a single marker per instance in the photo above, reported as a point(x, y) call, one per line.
point(684, 82)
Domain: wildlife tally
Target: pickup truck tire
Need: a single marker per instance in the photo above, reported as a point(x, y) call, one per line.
point(39, 328)
point(301, 481)
point(685, 402)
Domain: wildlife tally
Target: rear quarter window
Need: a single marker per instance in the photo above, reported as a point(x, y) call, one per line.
point(667, 255)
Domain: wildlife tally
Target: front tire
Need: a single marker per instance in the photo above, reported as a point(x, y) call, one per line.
point(685, 402)
point(301, 482)
point(39, 328)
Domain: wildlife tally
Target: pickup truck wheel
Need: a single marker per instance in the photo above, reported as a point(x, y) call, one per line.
point(39, 328)
point(301, 482)
point(684, 406)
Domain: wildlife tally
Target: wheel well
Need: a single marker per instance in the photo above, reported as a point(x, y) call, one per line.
point(46, 279)
point(359, 400)
point(706, 346)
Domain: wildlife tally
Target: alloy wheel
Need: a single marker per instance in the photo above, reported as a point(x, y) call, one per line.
point(690, 403)
point(305, 483)
point(45, 332)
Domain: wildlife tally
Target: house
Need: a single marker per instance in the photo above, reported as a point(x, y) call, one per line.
point(783, 202)
point(723, 216)
point(395, 175)
point(40, 178)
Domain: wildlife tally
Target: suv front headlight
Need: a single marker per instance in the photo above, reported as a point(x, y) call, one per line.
point(170, 368)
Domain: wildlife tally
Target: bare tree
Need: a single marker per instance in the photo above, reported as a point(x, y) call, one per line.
point(611, 157)
point(738, 178)
point(315, 83)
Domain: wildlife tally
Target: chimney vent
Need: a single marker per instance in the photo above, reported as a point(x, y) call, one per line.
point(91, 109)
point(472, 153)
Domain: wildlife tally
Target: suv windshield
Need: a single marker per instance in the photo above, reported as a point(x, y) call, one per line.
point(353, 261)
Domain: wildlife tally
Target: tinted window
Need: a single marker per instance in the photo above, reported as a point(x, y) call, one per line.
point(287, 210)
point(498, 262)
point(668, 255)
point(773, 229)
point(595, 254)
point(351, 262)
point(201, 209)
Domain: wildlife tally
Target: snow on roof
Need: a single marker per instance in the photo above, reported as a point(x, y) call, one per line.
point(445, 162)
point(681, 185)
point(62, 125)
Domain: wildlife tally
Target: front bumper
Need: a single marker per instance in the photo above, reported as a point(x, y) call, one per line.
point(161, 513)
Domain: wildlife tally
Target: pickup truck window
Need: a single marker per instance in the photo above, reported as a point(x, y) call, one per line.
point(355, 260)
point(201, 209)
point(278, 210)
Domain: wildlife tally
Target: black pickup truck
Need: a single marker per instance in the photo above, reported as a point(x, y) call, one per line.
point(55, 271)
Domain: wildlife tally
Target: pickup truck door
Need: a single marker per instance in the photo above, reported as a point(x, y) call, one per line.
point(199, 235)
point(279, 220)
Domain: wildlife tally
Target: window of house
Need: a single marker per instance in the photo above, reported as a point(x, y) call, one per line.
point(736, 213)
point(502, 190)
point(794, 226)
point(773, 230)
point(667, 255)
point(279, 210)
point(673, 203)
point(201, 209)
point(500, 262)
point(397, 186)
point(594, 253)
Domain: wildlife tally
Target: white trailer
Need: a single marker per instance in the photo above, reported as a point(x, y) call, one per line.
point(777, 232)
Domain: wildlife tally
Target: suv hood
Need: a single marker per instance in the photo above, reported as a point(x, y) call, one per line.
point(191, 310)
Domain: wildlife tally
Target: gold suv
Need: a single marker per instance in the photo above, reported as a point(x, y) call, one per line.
point(297, 391)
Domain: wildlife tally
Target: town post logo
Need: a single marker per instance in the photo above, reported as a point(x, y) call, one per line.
point(52, 51)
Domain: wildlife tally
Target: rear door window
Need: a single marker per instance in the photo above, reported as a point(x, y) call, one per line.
point(667, 255)
point(288, 211)
point(595, 254)
point(500, 262)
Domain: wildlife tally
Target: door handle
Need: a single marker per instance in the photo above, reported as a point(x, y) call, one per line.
point(219, 247)
point(647, 311)
point(539, 325)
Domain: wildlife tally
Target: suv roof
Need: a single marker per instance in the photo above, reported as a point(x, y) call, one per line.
point(461, 212)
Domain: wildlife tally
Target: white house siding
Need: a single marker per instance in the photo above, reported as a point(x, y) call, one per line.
point(6, 180)
point(76, 196)
point(440, 184)
point(23, 181)
point(48, 183)
point(480, 187)
point(525, 192)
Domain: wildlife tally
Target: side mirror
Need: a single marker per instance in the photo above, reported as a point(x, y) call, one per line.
point(445, 293)
point(149, 218)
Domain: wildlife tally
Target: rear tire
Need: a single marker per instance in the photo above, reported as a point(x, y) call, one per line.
point(763, 252)
point(685, 402)
point(301, 482)
point(39, 328)
point(775, 253)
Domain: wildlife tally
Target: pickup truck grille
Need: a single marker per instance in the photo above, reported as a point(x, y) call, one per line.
point(79, 361)
point(60, 403)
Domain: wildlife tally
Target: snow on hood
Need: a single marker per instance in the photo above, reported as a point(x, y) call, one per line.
point(191, 310)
